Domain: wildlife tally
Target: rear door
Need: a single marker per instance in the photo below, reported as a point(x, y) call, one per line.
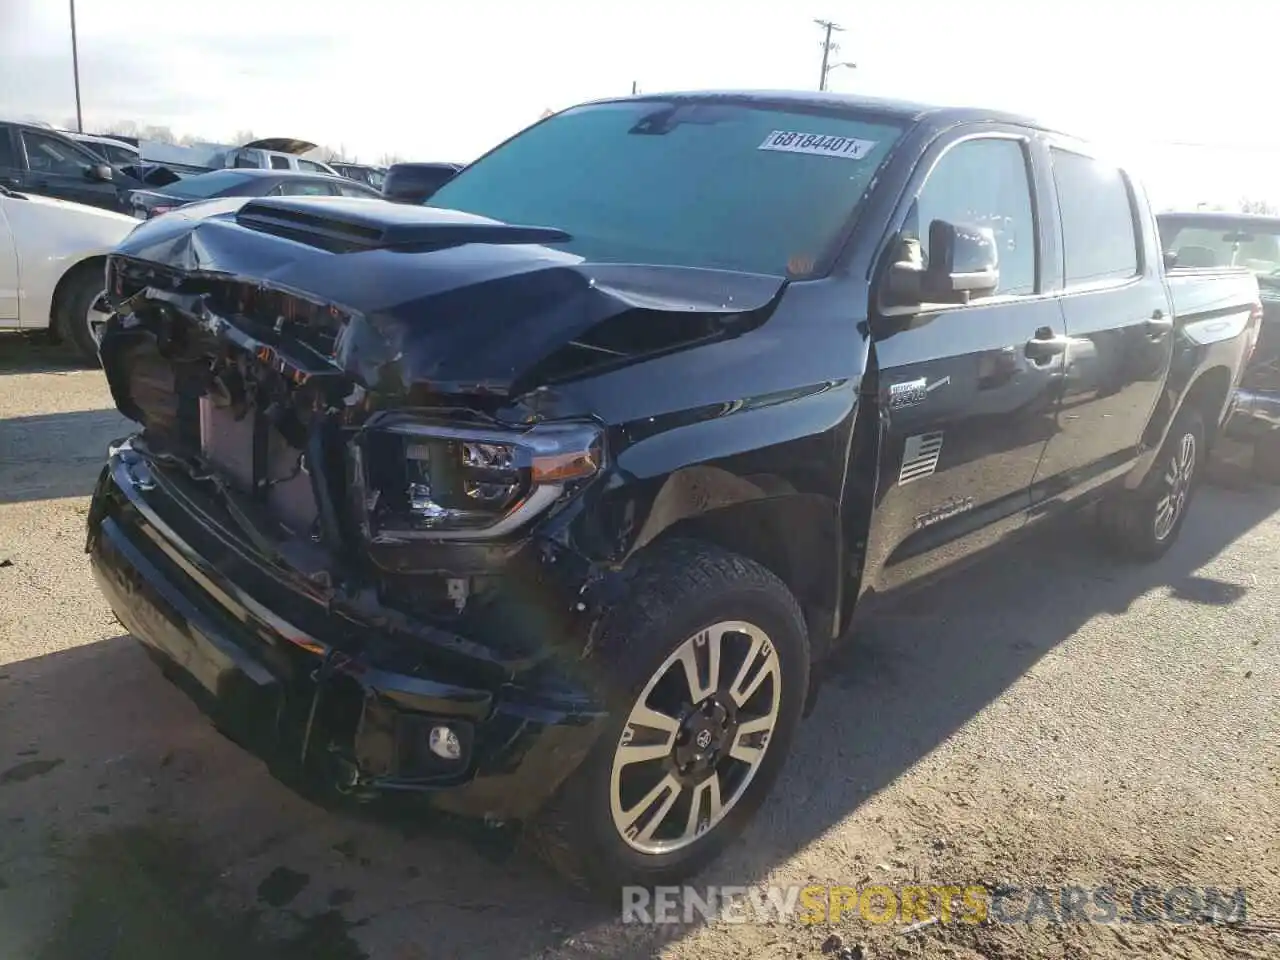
point(1118, 322)
point(966, 411)
point(56, 167)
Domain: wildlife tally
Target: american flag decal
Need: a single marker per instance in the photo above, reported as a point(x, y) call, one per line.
point(920, 456)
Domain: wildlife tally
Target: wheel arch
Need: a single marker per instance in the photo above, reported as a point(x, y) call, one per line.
point(794, 535)
point(1209, 394)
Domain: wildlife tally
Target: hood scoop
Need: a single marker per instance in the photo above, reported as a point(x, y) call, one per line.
point(354, 225)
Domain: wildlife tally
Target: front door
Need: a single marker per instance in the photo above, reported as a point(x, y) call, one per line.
point(1119, 328)
point(58, 168)
point(8, 271)
point(966, 405)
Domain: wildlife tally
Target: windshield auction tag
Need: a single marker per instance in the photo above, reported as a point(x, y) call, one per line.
point(817, 144)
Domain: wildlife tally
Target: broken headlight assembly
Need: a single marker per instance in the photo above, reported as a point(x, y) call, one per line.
point(437, 481)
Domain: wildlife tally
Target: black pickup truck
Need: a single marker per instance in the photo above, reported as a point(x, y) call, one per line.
point(1219, 239)
point(548, 502)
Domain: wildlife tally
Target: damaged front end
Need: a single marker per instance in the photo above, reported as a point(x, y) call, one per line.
point(342, 526)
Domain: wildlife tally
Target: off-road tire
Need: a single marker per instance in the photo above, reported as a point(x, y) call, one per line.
point(680, 588)
point(1128, 518)
point(82, 288)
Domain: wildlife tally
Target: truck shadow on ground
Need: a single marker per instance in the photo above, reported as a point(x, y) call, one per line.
point(36, 353)
point(175, 843)
point(53, 455)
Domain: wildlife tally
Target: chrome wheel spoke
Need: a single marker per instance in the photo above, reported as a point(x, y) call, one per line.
point(645, 716)
point(760, 664)
point(700, 660)
point(664, 796)
point(705, 808)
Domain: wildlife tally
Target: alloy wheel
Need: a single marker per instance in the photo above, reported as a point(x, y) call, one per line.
point(696, 737)
point(95, 318)
point(1177, 486)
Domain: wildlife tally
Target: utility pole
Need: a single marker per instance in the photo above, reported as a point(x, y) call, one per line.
point(75, 67)
point(635, 87)
point(828, 47)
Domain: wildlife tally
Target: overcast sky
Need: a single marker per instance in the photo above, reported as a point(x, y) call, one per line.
point(445, 81)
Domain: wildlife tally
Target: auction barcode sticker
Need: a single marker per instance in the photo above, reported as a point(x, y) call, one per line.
point(817, 144)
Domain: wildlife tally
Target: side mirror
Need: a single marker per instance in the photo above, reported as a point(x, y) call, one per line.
point(963, 264)
point(1170, 259)
point(99, 172)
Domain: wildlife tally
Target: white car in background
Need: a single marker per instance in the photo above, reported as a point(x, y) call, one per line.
point(52, 266)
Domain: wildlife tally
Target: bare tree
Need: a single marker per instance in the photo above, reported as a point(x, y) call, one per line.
point(121, 128)
point(157, 132)
point(1256, 206)
point(244, 136)
point(387, 159)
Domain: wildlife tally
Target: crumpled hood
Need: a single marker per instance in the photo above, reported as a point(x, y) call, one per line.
point(448, 299)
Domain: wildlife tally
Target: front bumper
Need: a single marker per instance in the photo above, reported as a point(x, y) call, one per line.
point(312, 691)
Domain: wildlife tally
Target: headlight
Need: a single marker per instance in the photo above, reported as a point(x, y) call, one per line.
point(440, 481)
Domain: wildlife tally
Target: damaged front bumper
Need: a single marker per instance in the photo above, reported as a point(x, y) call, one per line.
point(320, 692)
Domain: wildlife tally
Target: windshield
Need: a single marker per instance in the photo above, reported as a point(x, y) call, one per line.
point(206, 185)
point(1255, 246)
point(701, 184)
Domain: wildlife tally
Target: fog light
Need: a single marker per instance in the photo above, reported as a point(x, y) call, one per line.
point(444, 743)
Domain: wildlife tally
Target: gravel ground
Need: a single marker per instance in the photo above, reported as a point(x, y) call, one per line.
point(1046, 717)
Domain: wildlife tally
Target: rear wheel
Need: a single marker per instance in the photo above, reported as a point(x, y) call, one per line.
point(708, 658)
point(82, 312)
point(1142, 524)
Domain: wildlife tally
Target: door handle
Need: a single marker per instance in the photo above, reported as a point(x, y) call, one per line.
point(1158, 325)
point(1045, 345)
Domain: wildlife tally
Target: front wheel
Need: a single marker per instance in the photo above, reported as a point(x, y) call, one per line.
point(82, 314)
point(708, 659)
point(1142, 524)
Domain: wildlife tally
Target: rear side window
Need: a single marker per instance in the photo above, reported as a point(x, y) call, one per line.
point(279, 163)
point(309, 165)
point(1099, 240)
point(306, 188)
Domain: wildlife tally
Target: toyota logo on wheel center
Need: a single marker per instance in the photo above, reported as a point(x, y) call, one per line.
point(704, 739)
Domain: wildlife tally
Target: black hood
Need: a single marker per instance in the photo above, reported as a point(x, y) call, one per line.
point(458, 302)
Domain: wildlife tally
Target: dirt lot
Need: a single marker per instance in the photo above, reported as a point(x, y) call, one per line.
point(1048, 717)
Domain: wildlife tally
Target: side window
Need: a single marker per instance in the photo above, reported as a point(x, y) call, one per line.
point(279, 163)
point(985, 183)
point(7, 158)
point(306, 188)
point(50, 155)
point(1098, 235)
point(354, 191)
point(310, 166)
